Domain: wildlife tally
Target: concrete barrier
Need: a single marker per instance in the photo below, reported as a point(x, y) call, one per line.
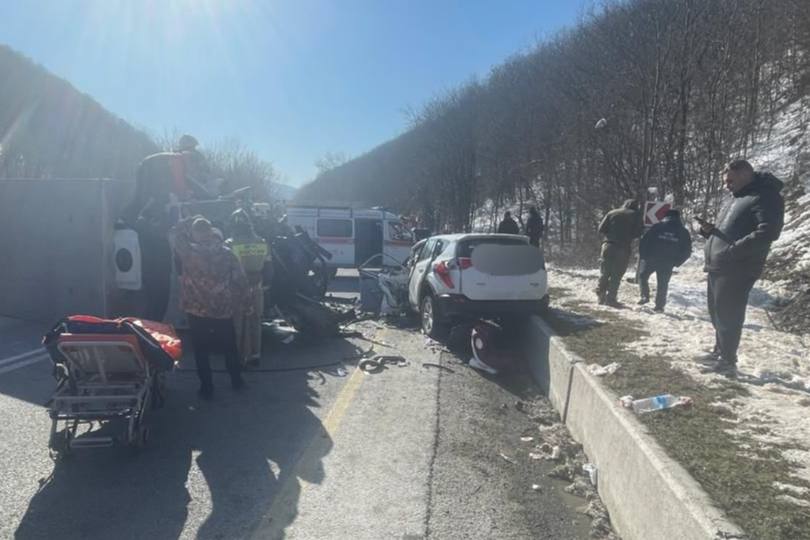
point(648, 494)
point(55, 246)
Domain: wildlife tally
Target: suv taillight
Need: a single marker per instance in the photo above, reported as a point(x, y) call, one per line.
point(441, 269)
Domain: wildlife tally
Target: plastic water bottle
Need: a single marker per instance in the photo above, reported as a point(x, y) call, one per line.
point(655, 403)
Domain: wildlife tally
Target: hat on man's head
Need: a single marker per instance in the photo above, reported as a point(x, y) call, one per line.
point(187, 142)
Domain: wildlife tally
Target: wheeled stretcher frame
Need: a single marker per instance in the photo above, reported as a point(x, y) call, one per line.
point(104, 380)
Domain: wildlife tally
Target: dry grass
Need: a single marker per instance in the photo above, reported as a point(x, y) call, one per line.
point(738, 471)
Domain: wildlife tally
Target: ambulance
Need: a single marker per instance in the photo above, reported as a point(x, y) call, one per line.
point(368, 236)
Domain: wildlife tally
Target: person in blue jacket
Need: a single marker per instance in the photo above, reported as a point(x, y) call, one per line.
point(663, 247)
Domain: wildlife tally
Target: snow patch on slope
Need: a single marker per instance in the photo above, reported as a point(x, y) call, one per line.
point(773, 365)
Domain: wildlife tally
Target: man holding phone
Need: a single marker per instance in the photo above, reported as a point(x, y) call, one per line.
point(735, 254)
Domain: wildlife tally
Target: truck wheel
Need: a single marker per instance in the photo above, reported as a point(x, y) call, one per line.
point(433, 323)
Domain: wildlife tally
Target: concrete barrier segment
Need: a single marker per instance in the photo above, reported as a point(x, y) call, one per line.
point(648, 494)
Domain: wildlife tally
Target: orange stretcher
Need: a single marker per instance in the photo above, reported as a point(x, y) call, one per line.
point(110, 374)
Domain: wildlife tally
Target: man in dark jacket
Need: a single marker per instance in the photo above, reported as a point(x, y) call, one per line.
point(735, 252)
point(161, 179)
point(508, 225)
point(619, 227)
point(666, 245)
point(534, 227)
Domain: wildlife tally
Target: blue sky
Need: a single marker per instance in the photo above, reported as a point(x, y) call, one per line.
point(290, 79)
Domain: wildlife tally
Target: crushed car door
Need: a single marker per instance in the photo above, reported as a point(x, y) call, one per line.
point(420, 266)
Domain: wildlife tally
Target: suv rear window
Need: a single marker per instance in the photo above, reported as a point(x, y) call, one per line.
point(466, 248)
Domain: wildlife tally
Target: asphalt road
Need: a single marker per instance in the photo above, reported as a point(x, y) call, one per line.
point(411, 452)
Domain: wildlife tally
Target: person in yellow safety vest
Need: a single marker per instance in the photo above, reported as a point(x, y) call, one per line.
point(252, 252)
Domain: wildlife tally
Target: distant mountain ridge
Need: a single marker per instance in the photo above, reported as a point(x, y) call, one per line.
point(49, 129)
point(283, 192)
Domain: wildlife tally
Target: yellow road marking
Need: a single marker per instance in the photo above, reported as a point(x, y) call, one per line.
point(293, 483)
point(344, 399)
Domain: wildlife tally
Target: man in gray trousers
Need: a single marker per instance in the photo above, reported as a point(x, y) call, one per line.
point(735, 255)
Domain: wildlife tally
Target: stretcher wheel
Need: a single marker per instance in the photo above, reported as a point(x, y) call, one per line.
point(141, 437)
point(60, 444)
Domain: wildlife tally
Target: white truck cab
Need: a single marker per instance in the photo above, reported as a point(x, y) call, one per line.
point(353, 236)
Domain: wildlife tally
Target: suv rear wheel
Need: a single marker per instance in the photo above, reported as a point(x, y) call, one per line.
point(433, 323)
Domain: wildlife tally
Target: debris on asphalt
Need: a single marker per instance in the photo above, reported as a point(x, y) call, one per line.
point(527, 438)
point(377, 363)
point(507, 458)
point(280, 331)
point(577, 488)
point(555, 444)
point(341, 371)
point(563, 472)
point(600, 521)
point(591, 471)
point(536, 487)
point(437, 366)
point(435, 346)
point(599, 371)
point(545, 418)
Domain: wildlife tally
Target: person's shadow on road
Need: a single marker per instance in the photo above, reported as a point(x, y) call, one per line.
point(248, 447)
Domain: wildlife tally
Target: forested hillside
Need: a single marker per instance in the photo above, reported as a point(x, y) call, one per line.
point(50, 129)
point(641, 93)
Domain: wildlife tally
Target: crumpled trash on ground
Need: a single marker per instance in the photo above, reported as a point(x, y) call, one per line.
point(599, 371)
point(552, 440)
point(592, 472)
point(654, 403)
point(578, 487)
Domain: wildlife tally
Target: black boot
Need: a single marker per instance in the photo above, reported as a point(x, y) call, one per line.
point(709, 358)
point(721, 367)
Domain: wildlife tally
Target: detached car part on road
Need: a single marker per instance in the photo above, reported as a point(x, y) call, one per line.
point(459, 277)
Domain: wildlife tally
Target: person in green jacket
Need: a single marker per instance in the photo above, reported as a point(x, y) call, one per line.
point(252, 252)
point(619, 228)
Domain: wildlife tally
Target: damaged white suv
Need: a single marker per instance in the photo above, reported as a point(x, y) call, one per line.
point(468, 276)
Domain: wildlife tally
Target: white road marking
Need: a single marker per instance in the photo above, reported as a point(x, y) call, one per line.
point(22, 361)
point(12, 359)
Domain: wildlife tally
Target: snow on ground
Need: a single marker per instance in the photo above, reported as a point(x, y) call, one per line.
point(778, 149)
point(774, 366)
point(785, 152)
